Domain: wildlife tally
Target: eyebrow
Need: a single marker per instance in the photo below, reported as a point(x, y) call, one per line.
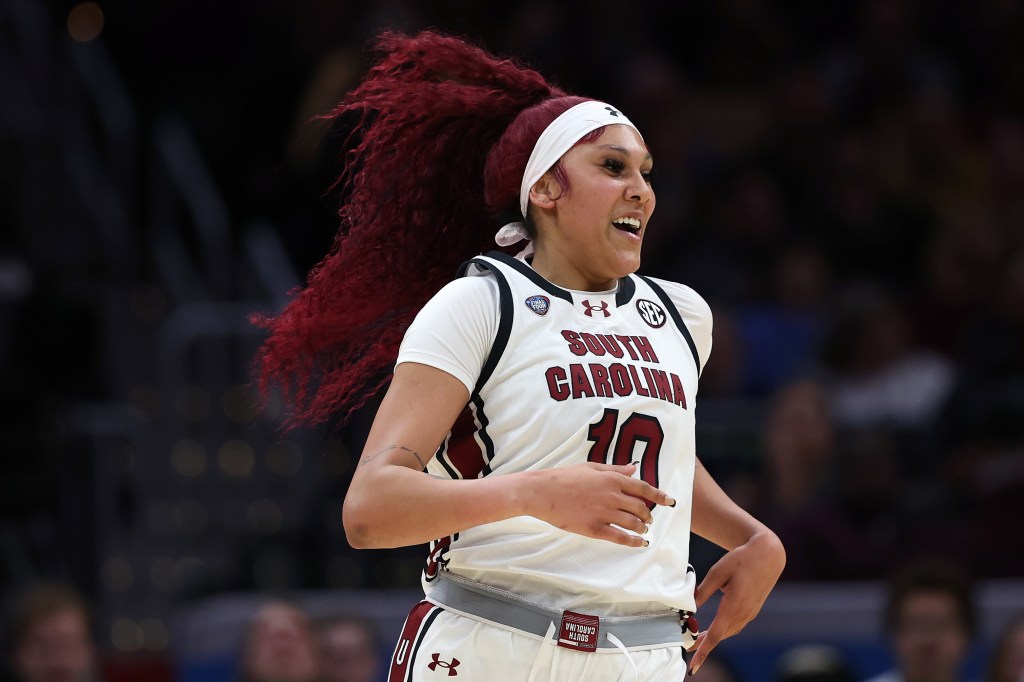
point(623, 150)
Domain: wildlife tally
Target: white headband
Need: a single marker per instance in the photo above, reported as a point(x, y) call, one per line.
point(558, 138)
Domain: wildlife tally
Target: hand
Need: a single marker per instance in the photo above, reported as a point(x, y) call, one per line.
point(745, 576)
point(588, 498)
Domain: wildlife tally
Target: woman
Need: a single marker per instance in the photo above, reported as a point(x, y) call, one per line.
point(538, 429)
point(279, 646)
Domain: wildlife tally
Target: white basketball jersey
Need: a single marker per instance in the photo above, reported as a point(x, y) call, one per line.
point(575, 377)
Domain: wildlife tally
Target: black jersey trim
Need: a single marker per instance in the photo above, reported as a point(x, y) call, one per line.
point(531, 274)
point(442, 456)
point(505, 315)
point(678, 319)
point(627, 287)
point(484, 422)
point(475, 408)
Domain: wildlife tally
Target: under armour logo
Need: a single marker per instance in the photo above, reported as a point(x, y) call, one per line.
point(603, 308)
point(437, 662)
point(612, 112)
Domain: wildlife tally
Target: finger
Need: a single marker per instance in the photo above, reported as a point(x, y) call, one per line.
point(629, 521)
point(619, 537)
point(637, 507)
point(643, 489)
point(624, 469)
point(706, 642)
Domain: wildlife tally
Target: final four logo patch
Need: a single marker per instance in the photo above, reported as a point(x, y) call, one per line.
point(539, 304)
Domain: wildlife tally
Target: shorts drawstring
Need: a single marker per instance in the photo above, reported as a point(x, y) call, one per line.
point(547, 649)
point(625, 652)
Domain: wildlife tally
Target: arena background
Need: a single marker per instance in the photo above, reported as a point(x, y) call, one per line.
point(843, 181)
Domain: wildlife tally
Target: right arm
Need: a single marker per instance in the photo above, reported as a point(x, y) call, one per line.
point(392, 503)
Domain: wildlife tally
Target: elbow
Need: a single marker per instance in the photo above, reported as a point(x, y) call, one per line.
point(358, 523)
point(358, 536)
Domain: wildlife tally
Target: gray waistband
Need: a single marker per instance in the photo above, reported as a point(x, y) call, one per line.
point(475, 600)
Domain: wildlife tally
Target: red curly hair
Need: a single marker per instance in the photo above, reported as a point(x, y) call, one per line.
point(442, 136)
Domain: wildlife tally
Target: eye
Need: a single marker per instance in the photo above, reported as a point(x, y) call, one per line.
point(649, 175)
point(614, 165)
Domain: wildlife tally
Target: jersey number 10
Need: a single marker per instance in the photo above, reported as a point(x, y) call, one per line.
point(637, 428)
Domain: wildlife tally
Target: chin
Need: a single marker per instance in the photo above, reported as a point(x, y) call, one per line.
point(629, 264)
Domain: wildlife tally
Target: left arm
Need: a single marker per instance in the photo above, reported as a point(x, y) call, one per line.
point(745, 575)
point(755, 558)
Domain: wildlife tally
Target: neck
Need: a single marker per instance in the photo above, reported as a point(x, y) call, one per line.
point(559, 270)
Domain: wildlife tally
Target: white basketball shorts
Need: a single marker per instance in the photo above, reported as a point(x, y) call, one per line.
point(437, 644)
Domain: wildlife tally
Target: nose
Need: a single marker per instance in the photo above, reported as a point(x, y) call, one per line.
point(640, 190)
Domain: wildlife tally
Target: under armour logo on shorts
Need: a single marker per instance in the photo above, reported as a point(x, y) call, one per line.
point(590, 309)
point(438, 663)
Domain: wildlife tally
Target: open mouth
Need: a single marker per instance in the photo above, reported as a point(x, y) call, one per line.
point(631, 225)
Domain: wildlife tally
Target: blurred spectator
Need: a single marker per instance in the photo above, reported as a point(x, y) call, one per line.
point(279, 646)
point(987, 399)
point(781, 335)
point(984, 425)
point(51, 639)
point(813, 663)
point(348, 648)
point(799, 447)
point(882, 377)
point(832, 506)
point(1006, 663)
point(930, 621)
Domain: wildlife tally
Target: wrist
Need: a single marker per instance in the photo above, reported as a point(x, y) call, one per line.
point(521, 493)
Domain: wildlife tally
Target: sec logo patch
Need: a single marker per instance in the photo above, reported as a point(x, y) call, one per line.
point(539, 304)
point(652, 313)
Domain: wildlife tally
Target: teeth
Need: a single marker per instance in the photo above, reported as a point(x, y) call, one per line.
point(630, 222)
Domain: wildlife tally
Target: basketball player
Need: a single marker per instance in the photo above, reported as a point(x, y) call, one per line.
point(539, 427)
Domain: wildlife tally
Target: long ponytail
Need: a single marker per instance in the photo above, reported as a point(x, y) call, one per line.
point(426, 116)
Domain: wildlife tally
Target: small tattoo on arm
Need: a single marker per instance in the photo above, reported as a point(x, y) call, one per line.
point(415, 454)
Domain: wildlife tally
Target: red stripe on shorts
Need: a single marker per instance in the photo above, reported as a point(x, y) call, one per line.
point(409, 641)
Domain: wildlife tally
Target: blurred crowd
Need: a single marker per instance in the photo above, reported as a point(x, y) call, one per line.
point(49, 638)
point(844, 183)
point(930, 621)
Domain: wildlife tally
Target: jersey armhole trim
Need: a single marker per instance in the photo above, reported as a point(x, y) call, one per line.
point(677, 319)
point(529, 273)
point(505, 314)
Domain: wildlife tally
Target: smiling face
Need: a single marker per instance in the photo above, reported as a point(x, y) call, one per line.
point(590, 235)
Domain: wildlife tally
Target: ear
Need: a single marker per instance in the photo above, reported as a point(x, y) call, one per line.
point(545, 192)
